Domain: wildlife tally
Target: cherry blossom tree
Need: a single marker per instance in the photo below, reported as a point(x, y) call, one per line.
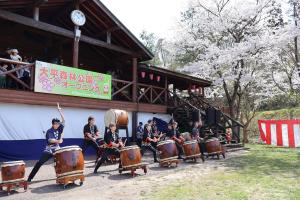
point(234, 44)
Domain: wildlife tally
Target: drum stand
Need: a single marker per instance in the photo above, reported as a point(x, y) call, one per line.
point(222, 152)
point(194, 158)
point(168, 163)
point(134, 168)
point(14, 184)
point(70, 179)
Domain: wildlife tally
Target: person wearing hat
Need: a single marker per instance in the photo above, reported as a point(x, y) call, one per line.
point(53, 139)
point(16, 57)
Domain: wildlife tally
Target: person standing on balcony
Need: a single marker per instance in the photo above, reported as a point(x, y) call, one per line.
point(3, 68)
point(10, 82)
point(26, 73)
point(14, 55)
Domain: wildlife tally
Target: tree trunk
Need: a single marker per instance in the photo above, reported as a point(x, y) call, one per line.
point(245, 135)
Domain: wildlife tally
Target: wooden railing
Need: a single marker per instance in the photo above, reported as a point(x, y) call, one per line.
point(18, 66)
point(122, 90)
point(151, 94)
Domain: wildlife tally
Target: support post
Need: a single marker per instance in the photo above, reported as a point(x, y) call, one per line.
point(75, 48)
point(134, 80)
point(32, 75)
point(167, 90)
point(77, 35)
point(108, 37)
point(36, 13)
point(134, 125)
point(190, 89)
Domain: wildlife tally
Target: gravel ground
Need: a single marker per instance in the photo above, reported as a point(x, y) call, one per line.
point(108, 183)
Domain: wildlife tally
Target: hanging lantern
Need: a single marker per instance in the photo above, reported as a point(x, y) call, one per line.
point(158, 78)
point(193, 87)
point(143, 74)
point(151, 76)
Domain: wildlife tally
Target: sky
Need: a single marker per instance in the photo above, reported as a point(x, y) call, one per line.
point(154, 16)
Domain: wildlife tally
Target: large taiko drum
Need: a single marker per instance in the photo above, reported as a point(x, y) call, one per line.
point(69, 164)
point(130, 156)
point(167, 151)
point(191, 149)
point(117, 117)
point(213, 146)
point(13, 171)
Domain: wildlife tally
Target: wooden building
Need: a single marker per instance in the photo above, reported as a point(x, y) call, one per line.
point(43, 30)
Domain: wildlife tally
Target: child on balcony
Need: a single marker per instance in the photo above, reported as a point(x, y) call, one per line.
point(3, 77)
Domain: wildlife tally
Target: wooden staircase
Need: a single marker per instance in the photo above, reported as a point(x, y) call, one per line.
point(183, 107)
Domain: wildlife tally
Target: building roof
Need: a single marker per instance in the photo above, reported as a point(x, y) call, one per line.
point(177, 77)
point(99, 21)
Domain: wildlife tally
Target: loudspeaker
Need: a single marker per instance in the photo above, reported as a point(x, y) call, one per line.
point(210, 116)
point(218, 116)
point(196, 116)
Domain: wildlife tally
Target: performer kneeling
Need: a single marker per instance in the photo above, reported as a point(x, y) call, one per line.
point(197, 136)
point(175, 135)
point(149, 138)
point(53, 139)
point(113, 142)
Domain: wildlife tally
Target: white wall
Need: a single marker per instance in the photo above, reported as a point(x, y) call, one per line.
point(24, 122)
point(27, 122)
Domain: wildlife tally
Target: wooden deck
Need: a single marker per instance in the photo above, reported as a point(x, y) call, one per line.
point(32, 98)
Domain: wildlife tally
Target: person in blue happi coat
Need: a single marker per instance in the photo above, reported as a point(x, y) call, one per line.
point(53, 139)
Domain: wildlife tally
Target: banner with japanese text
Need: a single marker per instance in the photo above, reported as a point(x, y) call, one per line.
point(58, 79)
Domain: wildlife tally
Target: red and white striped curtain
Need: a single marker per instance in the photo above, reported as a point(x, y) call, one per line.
point(280, 132)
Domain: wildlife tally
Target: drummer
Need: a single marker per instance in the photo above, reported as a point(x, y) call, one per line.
point(149, 138)
point(113, 143)
point(197, 136)
point(91, 135)
point(53, 139)
point(175, 135)
point(154, 128)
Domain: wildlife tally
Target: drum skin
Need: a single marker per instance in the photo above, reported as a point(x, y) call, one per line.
point(68, 161)
point(186, 136)
point(117, 117)
point(167, 150)
point(191, 148)
point(130, 156)
point(213, 146)
point(12, 171)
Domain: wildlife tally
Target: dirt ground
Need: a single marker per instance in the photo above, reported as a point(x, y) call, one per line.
point(109, 184)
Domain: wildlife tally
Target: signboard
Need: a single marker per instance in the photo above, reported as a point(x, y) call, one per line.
point(58, 79)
